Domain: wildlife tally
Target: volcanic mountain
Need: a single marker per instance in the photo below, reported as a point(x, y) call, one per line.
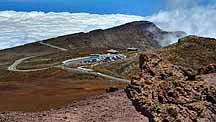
point(170, 83)
point(139, 34)
point(143, 35)
point(34, 74)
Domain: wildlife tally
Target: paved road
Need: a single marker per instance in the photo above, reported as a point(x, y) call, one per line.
point(103, 75)
point(6, 63)
point(91, 72)
point(53, 46)
point(84, 70)
point(74, 70)
point(13, 67)
point(111, 77)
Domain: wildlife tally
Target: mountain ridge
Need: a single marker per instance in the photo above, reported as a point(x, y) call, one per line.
point(138, 34)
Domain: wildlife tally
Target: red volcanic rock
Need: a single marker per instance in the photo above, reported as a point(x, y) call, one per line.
point(170, 93)
point(211, 68)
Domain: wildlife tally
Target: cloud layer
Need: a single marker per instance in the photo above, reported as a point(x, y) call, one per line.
point(19, 28)
point(197, 21)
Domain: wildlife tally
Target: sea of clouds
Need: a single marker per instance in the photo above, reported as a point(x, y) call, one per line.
point(18, 28)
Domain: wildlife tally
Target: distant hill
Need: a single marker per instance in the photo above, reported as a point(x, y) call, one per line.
point(139, 34)
point(191, 52)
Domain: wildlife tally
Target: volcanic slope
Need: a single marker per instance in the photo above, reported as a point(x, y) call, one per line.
point(56, 87)
point(191, 52)
point(143, 35)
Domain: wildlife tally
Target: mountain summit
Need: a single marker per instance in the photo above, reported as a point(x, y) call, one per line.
point(139, 34)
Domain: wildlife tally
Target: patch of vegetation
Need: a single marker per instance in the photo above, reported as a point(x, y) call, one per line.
point(176, 83)
point(157, 107)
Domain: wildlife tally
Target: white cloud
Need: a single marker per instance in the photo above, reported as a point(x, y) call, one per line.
point(195, 17)
point(197, 21)
point(19, 28)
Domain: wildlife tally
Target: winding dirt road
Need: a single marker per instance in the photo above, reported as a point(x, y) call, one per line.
point(13, 67)
point(91, 72)
point(53, 46)
point(6, 63)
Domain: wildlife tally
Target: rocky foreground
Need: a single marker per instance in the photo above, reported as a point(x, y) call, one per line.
point(170, 93)
point(112, 107)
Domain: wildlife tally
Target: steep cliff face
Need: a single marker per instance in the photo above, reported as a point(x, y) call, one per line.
point(140, 34)
point(171, 93)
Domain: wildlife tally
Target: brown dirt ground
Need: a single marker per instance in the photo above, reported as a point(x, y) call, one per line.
point(111, 107)
point(43, 90)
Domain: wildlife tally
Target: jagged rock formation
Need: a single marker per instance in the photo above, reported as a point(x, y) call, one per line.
point(143, 35)
point(171, 93)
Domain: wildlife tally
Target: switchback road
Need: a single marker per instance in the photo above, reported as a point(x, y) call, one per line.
point(13, 67)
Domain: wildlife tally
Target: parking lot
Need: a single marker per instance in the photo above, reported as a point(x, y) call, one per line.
point(93, 59)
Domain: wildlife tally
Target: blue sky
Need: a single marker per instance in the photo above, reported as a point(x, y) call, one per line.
point(195, 17)
point(132, 7)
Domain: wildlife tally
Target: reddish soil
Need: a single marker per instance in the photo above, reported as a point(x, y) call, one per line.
point(111, 107)
point(39, 91)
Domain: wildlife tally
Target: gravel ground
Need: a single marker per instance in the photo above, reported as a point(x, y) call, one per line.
point(210, 77)
point(111, 107)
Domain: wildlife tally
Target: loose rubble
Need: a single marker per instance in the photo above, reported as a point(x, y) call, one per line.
point(211, 68)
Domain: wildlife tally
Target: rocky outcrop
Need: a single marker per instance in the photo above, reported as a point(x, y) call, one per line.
point(170, 93)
